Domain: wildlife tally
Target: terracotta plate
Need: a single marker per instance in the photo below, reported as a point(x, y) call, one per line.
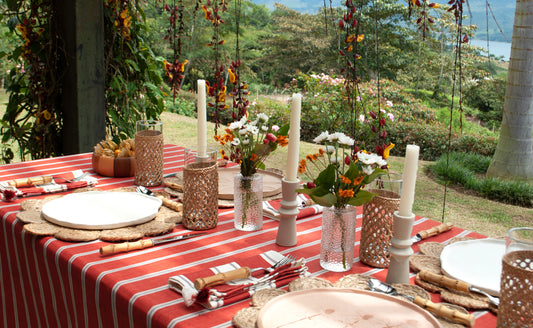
point(335, 307)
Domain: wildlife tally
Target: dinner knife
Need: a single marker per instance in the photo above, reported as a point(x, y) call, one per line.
point(144, 243)
point(455, 284)
point(431, 232)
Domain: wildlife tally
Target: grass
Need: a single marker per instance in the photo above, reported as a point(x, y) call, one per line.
point(463, 209)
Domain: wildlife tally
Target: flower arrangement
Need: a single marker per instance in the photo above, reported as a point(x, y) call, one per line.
point(251, 142)
point(343, 176)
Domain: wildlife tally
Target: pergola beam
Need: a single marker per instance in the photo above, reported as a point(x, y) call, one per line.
point(81, 26)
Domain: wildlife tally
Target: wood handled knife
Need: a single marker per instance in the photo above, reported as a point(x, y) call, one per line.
point(431, 232)
point(144, 243)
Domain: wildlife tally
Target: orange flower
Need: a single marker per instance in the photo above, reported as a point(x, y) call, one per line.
point(232, 77)
point(346, 193)
point(302, 167)
point(350, 38)
point(253, 157)
point(345, 180)
point(282, 141)
point(360, 37)
point(358, 180)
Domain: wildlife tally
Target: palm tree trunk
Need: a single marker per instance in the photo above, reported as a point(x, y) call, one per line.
point(513, 158)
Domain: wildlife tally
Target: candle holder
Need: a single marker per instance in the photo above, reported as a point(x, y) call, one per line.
point(400, 250)
point(288, 212)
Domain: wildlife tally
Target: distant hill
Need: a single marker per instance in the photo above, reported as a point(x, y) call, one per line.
point(476, 10)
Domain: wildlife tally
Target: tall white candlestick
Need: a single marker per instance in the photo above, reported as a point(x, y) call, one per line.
point(202, 119)
point(294, 139)
point(410, 169)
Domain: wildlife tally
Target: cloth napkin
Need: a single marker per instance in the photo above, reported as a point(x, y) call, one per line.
point(305, 205)
point(236, 290)
point(53, 186)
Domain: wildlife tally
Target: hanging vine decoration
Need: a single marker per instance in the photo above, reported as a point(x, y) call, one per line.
point(32, 116)
point(424, 20)
point(216, 89)
point(175, 71)
point(240, 88)
point(348, 51)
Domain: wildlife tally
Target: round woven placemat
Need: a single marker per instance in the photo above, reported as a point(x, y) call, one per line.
point(308, 283)
point(356, 281)
point(246, 317)
point(431, 248)
point(35, 224)
point(261, 297)
point(424, 262)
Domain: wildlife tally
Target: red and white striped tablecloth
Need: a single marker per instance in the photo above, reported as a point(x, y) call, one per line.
point(46, 282)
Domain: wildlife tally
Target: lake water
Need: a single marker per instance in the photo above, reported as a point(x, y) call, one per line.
point(496, 48)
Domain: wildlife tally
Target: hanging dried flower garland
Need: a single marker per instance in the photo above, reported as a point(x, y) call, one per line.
point(216, 89)
point(175, 70)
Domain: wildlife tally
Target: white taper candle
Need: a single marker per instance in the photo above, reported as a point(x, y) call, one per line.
point(410, 169)
point(294, 139)
point(202, 119)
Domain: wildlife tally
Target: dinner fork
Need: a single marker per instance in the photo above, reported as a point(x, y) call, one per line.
point(73, 180)
point(240, 273)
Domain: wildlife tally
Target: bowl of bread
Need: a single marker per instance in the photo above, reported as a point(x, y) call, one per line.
point(112, 160)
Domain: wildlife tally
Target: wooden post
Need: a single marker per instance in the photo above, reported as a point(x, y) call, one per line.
point(81, 26)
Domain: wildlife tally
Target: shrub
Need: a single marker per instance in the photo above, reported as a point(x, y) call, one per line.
point(488, 96)
point(466, 169)
point(433, 140)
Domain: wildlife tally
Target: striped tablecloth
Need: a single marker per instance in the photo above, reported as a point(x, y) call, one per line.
point(46, 282)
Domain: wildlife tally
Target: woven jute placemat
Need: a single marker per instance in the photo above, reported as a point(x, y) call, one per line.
point(35, 224)
point(431, 261)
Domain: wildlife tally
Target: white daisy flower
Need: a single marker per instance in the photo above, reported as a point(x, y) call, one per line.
point(252, 129)
point(321, 137)
point(235, 125)
point(335, 136)
point(235, 142)
point(367, 169)
point(262, 117)
point(345, 140)
point(264, 128)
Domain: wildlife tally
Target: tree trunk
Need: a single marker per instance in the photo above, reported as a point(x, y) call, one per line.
point(513, 158)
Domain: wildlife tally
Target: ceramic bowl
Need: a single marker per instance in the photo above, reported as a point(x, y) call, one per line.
point(114, 167)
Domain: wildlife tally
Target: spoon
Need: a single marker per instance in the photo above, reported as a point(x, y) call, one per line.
point(438, 309)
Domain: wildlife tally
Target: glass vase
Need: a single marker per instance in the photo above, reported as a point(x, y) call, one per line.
point(248, 198)
point(338, 238)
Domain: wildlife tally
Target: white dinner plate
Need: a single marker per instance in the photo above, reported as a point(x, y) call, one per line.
point(95, 210)
point(336, 307)
point(477, 262)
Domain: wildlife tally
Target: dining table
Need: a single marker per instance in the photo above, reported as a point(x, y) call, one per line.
point(48, 282)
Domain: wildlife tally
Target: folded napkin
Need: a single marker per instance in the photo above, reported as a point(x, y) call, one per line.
point(237, 290)
point(51, 187)
point(305, 206)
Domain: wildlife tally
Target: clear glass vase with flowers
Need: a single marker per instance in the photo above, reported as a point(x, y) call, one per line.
point(339, 187)
point(249, 143)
